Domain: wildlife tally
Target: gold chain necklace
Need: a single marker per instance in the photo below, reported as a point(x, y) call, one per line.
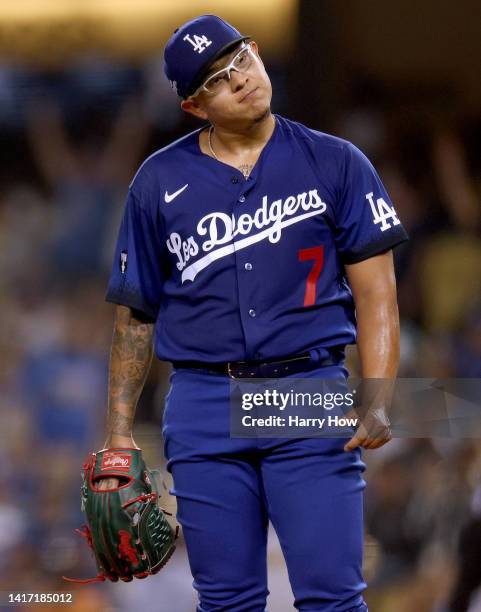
point(211, 129)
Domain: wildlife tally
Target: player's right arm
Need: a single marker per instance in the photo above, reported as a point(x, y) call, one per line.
point(130, 360)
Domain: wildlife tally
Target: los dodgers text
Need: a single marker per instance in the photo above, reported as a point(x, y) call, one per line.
point(220, 228)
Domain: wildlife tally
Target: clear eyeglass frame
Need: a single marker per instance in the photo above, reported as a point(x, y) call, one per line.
point(241, 62)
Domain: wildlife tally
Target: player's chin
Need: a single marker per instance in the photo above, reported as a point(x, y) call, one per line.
point(257, 110)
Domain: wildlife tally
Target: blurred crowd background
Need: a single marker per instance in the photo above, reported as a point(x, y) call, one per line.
point(78, 115)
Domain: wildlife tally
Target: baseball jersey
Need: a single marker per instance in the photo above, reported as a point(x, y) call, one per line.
point(234, 269)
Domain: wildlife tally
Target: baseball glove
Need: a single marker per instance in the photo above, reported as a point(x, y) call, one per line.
point(127, 530)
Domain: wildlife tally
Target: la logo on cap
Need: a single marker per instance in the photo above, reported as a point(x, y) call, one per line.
point(199, 43)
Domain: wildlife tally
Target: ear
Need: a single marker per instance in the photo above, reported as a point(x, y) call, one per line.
point(255, 50)
point(192, 106)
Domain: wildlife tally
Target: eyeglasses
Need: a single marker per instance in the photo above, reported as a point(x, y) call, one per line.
point(240, 63)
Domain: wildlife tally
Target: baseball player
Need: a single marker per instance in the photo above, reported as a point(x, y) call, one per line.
point(253, 246)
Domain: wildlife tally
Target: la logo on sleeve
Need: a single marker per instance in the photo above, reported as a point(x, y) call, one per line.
point(381, 212)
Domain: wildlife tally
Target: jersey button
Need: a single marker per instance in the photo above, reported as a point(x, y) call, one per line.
point(234, 180)
point(248, 266)
point(252, 313)
point(242, 199)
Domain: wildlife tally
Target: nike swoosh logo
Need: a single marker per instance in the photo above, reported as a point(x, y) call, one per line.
point(168, 197)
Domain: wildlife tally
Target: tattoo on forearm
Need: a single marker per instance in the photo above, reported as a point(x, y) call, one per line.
point(130, 360)
point(120, 424)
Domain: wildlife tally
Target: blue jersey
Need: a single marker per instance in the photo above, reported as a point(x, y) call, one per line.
point(234, 269)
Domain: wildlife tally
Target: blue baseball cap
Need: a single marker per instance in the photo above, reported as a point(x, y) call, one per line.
point(193, 47)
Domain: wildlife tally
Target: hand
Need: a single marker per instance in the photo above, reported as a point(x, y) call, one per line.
point(373, 432)
point(107, 483)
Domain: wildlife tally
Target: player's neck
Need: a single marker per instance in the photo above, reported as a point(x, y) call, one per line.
point(238, 141)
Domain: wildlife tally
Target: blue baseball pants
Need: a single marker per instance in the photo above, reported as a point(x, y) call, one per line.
point(228, 489)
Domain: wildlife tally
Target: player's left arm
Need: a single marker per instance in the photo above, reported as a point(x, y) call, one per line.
point(373, 285)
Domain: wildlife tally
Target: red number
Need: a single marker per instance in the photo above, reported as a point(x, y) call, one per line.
point(317, 254)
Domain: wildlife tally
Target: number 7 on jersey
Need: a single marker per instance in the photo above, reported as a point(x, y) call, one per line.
point(317, 255)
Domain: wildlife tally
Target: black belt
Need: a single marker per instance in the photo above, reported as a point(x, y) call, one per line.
point(262, 369)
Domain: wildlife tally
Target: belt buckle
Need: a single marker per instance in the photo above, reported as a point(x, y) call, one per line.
point(229, 370)
point(242, 372)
